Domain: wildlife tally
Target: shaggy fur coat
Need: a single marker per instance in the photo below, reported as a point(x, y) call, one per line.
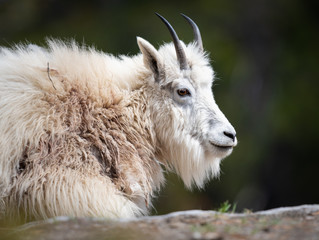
point(75, 136)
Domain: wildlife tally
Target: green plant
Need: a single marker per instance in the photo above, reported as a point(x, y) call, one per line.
point(227, 207)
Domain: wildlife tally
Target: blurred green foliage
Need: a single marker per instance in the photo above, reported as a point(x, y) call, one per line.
point(265, 54)
point(227, 207)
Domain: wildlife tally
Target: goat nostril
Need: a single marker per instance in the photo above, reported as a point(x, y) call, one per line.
point(230, 135)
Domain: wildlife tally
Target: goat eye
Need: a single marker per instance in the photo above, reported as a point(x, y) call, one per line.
point(183, 92)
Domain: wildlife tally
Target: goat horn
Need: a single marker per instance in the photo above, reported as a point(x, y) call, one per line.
point(178, 46)
point(197, 36)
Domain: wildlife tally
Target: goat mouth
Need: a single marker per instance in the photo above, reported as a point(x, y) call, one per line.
point(222, 147)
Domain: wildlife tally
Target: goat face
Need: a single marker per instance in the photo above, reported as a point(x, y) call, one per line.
point(193, 134)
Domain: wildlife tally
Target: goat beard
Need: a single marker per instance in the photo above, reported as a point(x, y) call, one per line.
point(190, 161)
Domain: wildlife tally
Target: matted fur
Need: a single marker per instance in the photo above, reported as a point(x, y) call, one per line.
point(83, 133)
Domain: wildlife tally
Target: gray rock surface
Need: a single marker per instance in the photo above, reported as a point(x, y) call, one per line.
point(291, 223)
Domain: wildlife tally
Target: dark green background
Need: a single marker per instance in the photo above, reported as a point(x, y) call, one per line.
point(265, 53)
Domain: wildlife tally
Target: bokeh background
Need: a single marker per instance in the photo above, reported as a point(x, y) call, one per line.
point(265, 54)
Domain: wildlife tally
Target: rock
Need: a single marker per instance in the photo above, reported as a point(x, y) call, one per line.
point(291, 223)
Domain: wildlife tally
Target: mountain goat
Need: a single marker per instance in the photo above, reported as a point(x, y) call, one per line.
point(84, 133)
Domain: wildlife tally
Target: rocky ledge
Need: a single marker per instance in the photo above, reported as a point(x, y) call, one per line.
point(291, 223)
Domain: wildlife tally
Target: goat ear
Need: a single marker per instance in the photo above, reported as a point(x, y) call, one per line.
point(151, 57)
